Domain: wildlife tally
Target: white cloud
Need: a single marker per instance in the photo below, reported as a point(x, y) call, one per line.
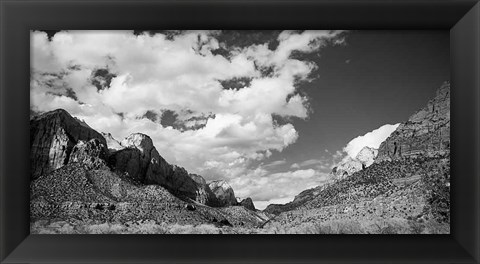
point(154, 73)
point(371, 139)
point(265, 188)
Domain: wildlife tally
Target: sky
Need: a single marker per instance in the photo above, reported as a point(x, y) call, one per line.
point(270, 112)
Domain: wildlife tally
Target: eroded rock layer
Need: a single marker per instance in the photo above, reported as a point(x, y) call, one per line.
point(53, 135)
point(426, 133)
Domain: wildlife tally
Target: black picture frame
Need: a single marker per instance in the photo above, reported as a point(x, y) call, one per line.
point(460, 17)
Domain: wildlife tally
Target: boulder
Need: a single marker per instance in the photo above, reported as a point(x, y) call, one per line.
point(224, 193)
point(53, 135)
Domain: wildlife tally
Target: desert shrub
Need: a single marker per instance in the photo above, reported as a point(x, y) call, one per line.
point(190, 229)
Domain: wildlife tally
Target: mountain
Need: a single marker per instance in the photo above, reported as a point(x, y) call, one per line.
point(58, 139)
point(248, 203)
point(112, 143)
point(53, 136)
point(367, 156)
point(75, 178)
point(404, 190)
point(85, 197)
point(224, 192)
point(348, 166)
point(426, 133)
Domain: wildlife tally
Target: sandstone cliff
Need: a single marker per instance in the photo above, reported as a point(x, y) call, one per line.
point(53, 136)
point(248, 203)
point(140, 161)
point(426, 133)
point(224, 192)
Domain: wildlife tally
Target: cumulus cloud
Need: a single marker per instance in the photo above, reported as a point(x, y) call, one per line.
point(371, 139)
point(266, 188)
point(121, 82)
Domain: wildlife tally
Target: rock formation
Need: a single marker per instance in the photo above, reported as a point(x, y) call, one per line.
point(140, 161)
point(349, 166)
point(409, 181)
point(92, 154)
point(248, 203)
point(426, 133)
point(76, 194)
point(112, 143)
point(224, 192)
point(53, 136)
point(367, 156)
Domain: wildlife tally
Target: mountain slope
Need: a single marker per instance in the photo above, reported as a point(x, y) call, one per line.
point(75, 194)
point(405, 190)
point(78, 180)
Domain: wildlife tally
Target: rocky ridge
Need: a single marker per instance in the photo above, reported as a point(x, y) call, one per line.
point(58, 139)
point(406, 189)
point(53, 136)
point(78, 195)
point(224, 192)
point(248, 203)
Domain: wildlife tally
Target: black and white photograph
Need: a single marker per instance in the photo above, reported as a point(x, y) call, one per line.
point(239, 132)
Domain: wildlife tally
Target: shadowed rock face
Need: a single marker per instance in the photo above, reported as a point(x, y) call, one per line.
point(248, 203)
point(426, 133)
point(224, 192)
point(140, 161)
point(53, 136)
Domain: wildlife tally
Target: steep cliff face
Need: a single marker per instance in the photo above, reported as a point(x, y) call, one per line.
point(224, 192)
point(426, 133)
point(53, 136)
point(248, 203)
point(140, 161)
point(58, 139)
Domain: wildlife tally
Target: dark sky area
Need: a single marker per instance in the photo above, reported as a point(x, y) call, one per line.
point(376, 78)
